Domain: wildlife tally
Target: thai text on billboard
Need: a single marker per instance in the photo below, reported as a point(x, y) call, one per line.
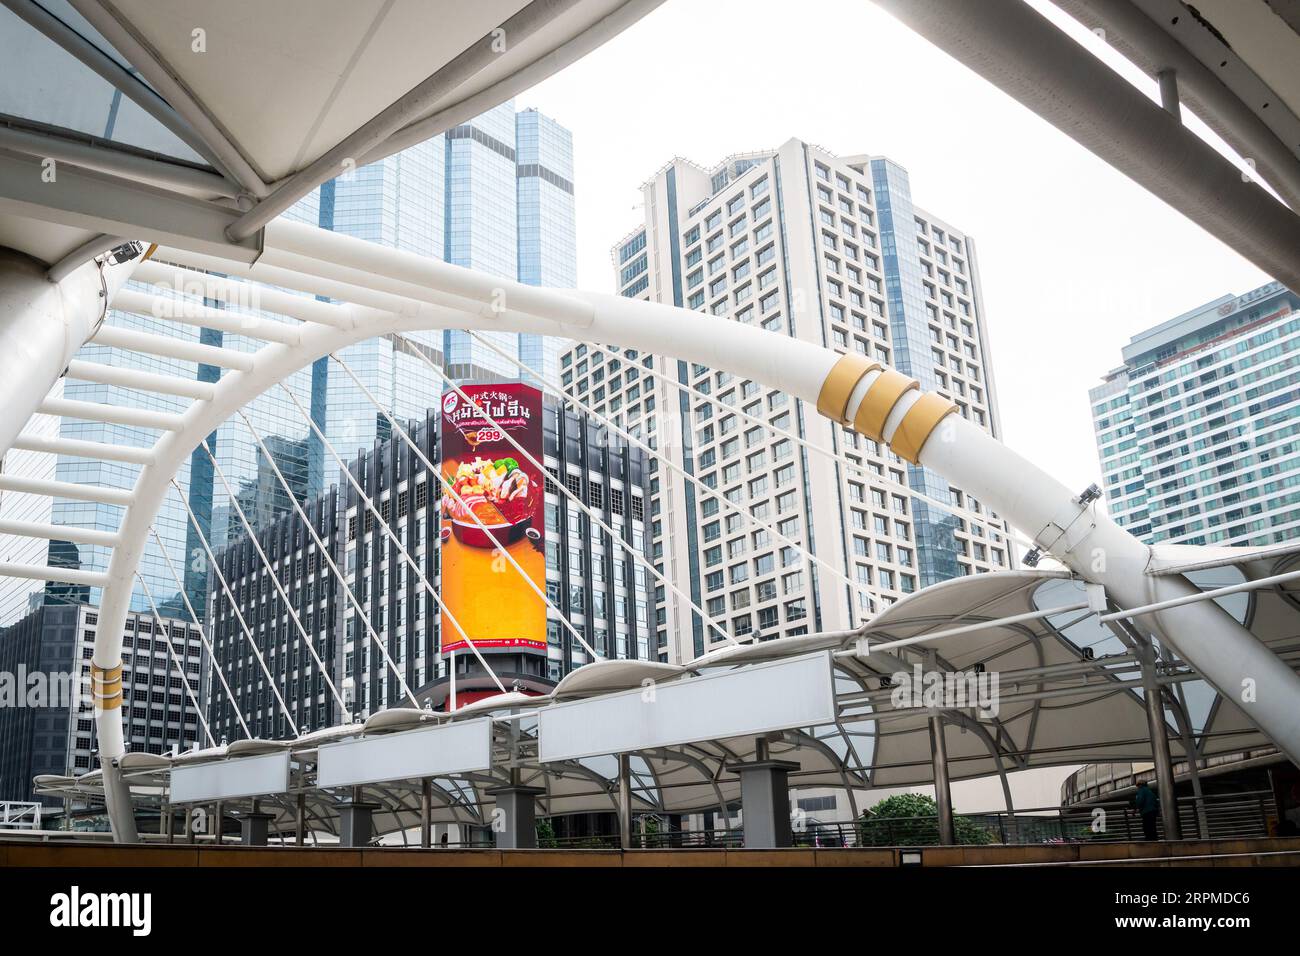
point(500, 508)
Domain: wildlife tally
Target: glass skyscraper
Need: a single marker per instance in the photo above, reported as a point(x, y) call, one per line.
point(503, 205)
point(547, 228)
point(494, 194)
point(1197, 431)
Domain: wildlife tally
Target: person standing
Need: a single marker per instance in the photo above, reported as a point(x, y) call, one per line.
point(1148, 808)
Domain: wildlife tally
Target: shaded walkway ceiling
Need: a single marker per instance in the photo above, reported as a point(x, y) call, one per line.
point(195, 122)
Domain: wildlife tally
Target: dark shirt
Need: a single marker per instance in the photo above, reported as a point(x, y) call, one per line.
point(1146, 800)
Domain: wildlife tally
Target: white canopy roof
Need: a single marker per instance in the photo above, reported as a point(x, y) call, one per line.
point(1068, 693)
point(195, 122)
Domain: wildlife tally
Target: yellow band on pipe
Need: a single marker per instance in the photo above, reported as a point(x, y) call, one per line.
point(918, 424)
point(106, 673)
point(880, 400)
point(833, 401)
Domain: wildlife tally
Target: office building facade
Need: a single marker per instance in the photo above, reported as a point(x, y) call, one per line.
point(829, 250)
point(601, 590)
point(55, 640)
point(1197, 432)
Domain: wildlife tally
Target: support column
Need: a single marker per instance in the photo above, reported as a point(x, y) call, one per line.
point(1178, 702)
point(517, 806)
point(942, 788)
point(765, 800)
point(356, 827)
point(117, 802)
point(300, 828)
point(624, 802)
point(426, 813)
point(1159, 743)
point(254, 827)
point(218, 813)
point(1168, 80)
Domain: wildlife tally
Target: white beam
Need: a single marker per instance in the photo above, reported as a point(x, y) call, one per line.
point(116, 206)
point(168, 347)
point(84, 449)
point(113, 414)
point(188, 312)
point(145, 381)
point(1019, 50)
point(40, 572)
point(58, 532)
point(1254, 584)
point(329, 250)
point(115, 162)
point(66, 489)
point(244, 295)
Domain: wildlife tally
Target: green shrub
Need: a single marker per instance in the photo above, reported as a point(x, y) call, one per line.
point(546, 835)
point(912, 819)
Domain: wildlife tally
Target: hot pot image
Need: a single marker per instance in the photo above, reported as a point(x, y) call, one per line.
point(498, 493)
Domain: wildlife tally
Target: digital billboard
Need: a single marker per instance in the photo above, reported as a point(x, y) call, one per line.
point(498, 503)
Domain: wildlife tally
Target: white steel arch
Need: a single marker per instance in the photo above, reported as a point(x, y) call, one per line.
point(381, 290)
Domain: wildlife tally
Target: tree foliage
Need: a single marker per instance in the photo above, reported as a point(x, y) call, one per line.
point(912, 819)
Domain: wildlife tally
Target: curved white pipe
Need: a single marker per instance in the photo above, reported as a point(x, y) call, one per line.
point(1235, 662)
point(42, 325)
point(1096, 548)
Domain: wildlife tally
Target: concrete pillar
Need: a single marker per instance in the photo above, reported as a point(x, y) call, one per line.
point(942, 787)
point(356, 827)
point(254, 827)
point(765, 802)
point(515, 823)
point(624, 802)
point(426, 813)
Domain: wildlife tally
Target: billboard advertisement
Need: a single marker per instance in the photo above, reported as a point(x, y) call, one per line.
point(499, 503)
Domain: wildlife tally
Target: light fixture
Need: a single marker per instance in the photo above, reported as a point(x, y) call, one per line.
point(1089, 495)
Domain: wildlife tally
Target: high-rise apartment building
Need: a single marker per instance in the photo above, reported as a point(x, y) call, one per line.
point(831, 250)
point(1197, 431)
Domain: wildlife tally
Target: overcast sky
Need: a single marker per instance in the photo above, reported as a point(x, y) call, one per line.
point(1075, 258)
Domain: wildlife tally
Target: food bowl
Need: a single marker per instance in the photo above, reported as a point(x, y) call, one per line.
point(490, 502)
point(471, 534)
